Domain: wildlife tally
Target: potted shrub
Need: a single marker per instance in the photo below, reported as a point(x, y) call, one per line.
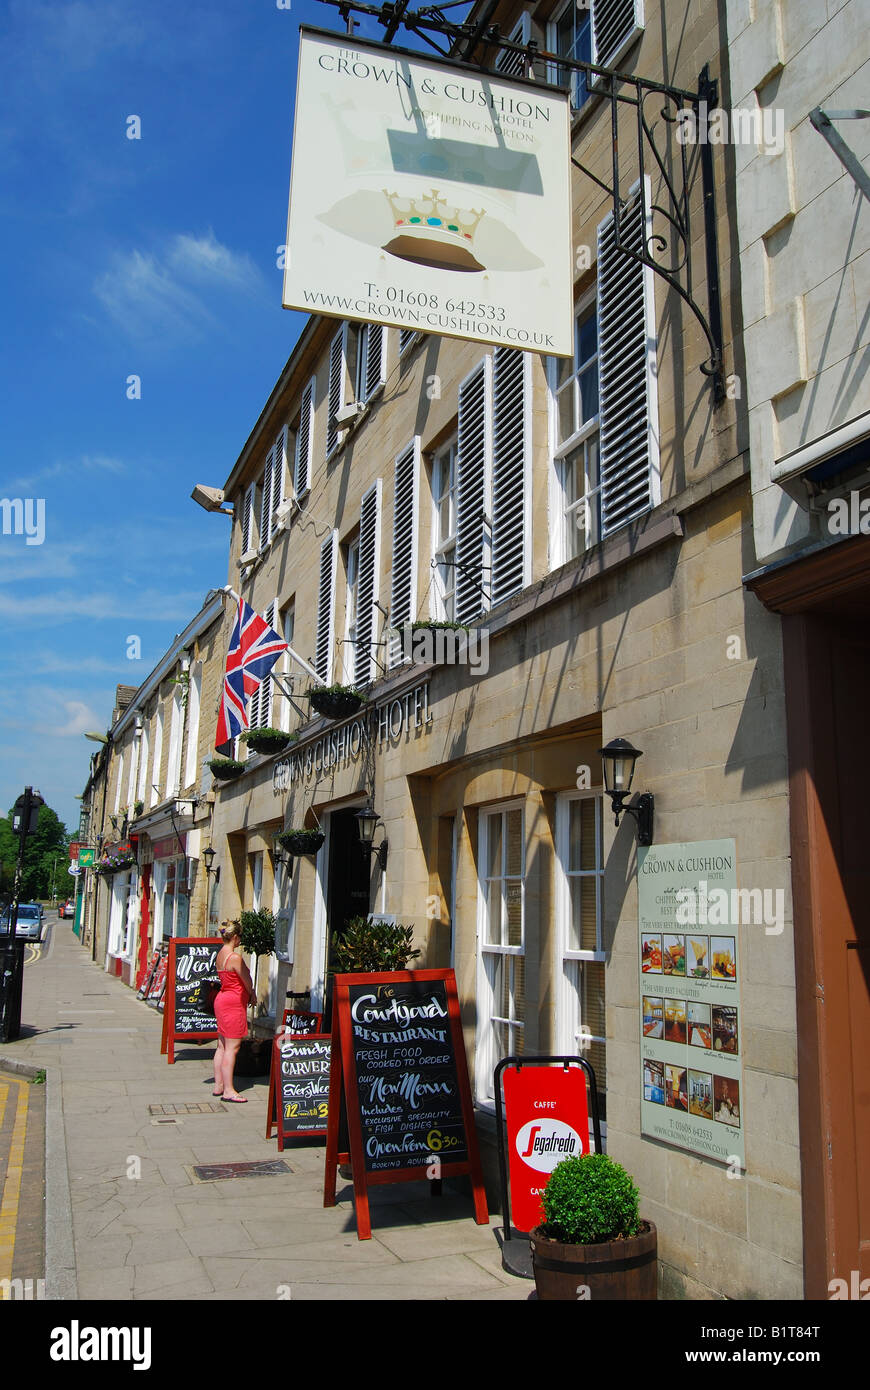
point(369, 944)
point(225, 769)
point(593, 1238)
point(138, 808)
point(257, 931)
point(266, 740)
point(335, 701)
point(300, 842)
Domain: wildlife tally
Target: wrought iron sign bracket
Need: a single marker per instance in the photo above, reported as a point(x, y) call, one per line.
point(667, 248)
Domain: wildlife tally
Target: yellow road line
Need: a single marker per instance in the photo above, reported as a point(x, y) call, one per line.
point(12, 1186)
point(4, 1091)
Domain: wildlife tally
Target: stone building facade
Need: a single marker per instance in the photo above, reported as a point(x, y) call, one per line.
point(590, 522)
point(150, 815)
point(803, 222)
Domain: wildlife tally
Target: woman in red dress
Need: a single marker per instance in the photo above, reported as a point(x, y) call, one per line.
point(230, 1010)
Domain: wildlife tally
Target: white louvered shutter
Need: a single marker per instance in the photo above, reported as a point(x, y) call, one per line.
point(473, 455)
point(248, 520)
point(304, 442)
point(614, 24)
point(514, 64)
point(264, 691)
point(336, 387)
point(279, 473)
point(266, 498)
point(374, 364)
point(406, 506)
point(630, 481)
point(324, 648)
point(367, 582)
point(511, 451)
point(406, 338)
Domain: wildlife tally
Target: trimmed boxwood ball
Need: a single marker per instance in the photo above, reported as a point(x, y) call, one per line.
point(589, 1199)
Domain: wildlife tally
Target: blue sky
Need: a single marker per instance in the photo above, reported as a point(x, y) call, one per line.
point(154, 257)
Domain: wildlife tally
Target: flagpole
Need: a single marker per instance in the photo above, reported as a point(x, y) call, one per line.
point(228, 589)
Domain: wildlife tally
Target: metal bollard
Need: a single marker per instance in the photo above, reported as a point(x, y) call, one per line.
point(11, 980)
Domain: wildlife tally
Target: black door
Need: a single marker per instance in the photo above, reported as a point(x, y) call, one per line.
point(348, 888)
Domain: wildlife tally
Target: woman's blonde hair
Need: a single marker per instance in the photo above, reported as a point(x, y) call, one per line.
point(230, 930)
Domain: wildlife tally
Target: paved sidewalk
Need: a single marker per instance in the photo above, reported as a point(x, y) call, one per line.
point(166, 1235)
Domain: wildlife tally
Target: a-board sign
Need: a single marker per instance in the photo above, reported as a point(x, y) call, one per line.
point(150, 972)
point(300, 1021)
point(158, 981)
point(547, 1118)
point(188, 1014)
point(299, 1086)
point(398, 1062)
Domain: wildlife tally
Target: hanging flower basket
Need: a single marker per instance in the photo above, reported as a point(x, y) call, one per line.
point(299, 842)
point(115, 864)
point(226, 769)
point(336, 701)
point(267, 740)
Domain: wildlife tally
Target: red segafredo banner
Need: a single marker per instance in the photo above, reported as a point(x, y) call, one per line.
point(547, 1120)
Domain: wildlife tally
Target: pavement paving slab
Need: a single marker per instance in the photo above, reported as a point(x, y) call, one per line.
point(126, 1217)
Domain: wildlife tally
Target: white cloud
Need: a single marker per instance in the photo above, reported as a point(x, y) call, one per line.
point(150, 296)
point(139, 605)
point(27, 485)
point(80, 718)
point(204, 258)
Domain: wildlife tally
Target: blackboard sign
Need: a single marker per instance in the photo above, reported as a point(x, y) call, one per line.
point(399, 1063)
point(299, 1086)
point(298, 1021)
point(191, 970)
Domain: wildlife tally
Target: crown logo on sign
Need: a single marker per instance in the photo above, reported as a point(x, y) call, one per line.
point(430, 231)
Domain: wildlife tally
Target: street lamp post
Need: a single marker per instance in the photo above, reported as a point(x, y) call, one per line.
point(25, 817)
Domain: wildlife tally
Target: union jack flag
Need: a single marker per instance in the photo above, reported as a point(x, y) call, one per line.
point(254, 648)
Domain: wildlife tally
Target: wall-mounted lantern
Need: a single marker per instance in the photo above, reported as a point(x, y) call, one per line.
point(619, 759)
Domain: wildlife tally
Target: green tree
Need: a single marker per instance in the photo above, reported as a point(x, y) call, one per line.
point(50, 840)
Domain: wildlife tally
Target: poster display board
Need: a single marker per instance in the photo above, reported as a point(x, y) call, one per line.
point(429, 196)
point(399, 1066)
point(191, 982)
point(690, 971)
point(299, 1086)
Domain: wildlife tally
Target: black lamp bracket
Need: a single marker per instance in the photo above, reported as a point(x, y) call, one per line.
point(643, 811)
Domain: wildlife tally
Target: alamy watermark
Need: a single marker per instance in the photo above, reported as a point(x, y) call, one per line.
point(849, 516)
point(424, 645)
point(24, 516)
point(763, 127)
point(717, 907)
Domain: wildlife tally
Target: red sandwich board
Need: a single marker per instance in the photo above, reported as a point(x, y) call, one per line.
point(547, 1119)
point(299, 1086)
point(398, 1054)
point(190, 965)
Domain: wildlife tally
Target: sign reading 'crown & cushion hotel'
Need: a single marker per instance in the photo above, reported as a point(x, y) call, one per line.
point(429, 197)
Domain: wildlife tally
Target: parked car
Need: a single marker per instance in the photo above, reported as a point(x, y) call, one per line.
point(67, 909)
point(29, 922)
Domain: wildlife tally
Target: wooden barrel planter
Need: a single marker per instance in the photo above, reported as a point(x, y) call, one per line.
point(615, 1270)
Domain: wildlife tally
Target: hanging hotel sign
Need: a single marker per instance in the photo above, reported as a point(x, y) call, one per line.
point(690, 911)
point(446, 208)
